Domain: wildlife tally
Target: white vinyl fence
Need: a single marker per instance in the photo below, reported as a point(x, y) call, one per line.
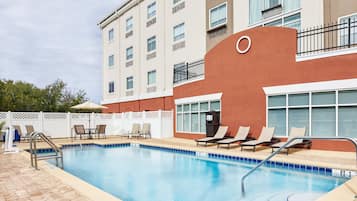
point(60, 125)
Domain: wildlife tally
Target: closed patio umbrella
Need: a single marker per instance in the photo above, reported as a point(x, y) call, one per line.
point(88, 106)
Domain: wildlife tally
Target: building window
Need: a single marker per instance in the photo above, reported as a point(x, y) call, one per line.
point(218, 16)
point(111, 87)
point(180, 72)
point(151, 77)
point(191, 117)
point(271, 3)
point(175, 1)
point(129, 53)
point(129, 83)
point(151, 10)
point(292, 21)
point(111, 60)
point(344, 21)
point(257, 6)
point(151, 44)
point(129, 24)
point(327, 113)
point(111, 35)
point(179, 32)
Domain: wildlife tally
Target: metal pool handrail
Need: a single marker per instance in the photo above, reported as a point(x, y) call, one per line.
point(33, 150)
point(353, 141)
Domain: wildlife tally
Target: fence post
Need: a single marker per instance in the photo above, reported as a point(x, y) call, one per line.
point(161, 124)
point(9, 119)
point(69, 129)
point(130, 121)
point(144, 116)
point(113, 125)
point(92, 122)
point(349, 32)
point(41, 121)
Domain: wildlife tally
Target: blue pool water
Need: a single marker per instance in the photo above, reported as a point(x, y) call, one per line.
point(143, 174)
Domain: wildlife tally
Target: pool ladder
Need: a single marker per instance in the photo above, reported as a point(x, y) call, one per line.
point(353, 141)
point(57, 155)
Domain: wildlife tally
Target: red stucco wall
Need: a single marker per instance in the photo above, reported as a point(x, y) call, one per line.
point(163, 103)
point(270, 61)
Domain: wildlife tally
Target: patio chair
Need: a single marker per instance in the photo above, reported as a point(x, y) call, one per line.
point(294, 132)
point(135, 131)
point(100, 130)
point(29, 130)
point(80, 130)
point(145, 131)
point(241, 136)
point(221, 132)
point(265, 137)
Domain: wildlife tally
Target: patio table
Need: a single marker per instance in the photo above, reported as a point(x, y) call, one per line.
point(90, 131)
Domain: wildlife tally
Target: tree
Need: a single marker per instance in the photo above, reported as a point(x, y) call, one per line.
point(26, 97)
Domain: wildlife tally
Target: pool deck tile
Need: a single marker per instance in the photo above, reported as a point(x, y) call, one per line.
point(55, 184)
point(19, 181)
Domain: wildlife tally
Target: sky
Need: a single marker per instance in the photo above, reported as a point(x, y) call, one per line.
point(45, 40)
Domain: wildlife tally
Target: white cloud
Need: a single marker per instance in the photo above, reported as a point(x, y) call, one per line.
point(43, 40)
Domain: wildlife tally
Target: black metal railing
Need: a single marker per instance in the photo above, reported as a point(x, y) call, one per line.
point(325, 38)
point(188, 71)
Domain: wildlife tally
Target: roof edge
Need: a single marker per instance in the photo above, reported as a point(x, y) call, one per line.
point(114, 12)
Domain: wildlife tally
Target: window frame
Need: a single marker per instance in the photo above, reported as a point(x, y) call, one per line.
point(175, 2)
point(182, 35)
point(111, 87)
point(311, 106)
point(111, 35)
point(148, 75)
point(281, 16)
point(190, 112)
point(153, 13)
point(282, 19)
point(209, 16)
point(147, 44)
point(342, 33)
point(111, 61)
point(130, 27)
point(131, 78)
point(267, 4)
point(129, 57)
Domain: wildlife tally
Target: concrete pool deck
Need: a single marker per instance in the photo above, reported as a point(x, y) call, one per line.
point(18, 181)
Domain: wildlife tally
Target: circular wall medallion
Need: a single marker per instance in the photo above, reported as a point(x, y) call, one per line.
point(248, 46)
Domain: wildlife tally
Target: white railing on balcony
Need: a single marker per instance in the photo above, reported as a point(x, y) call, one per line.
point(60, 125)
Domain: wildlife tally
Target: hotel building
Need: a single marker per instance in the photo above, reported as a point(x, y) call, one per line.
point(142, 43)
point(196, 56)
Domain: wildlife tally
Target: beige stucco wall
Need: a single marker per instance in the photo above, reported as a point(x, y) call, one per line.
point(110, 48)
point(240, 15)
point(311, 13)
point(193, 16)
point(195, 40)
point(334, 9)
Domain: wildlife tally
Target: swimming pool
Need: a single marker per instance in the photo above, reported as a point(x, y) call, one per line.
point(144, 173)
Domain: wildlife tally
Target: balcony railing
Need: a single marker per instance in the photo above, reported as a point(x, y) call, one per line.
point(326, 38)
point(188, 71)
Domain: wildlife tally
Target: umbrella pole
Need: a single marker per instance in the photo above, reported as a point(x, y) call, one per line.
point(89, 128)
point(89, 120)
